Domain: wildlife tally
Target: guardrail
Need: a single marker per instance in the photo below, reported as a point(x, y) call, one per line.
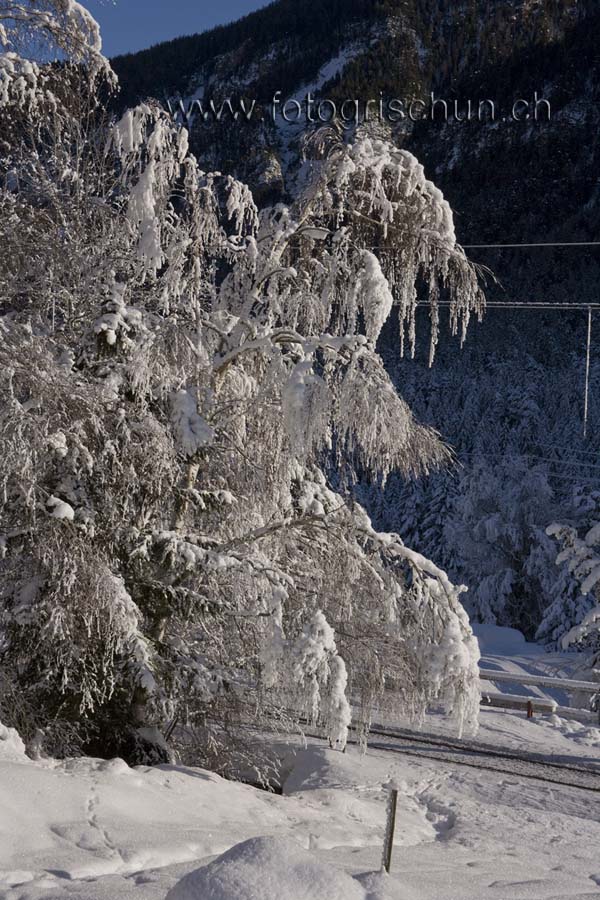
point(541, 704)
point(514, 701)
point(563, 684)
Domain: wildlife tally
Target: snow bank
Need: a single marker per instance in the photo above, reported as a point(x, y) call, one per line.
point(267, 868)
point(354, 796)
point(86, 829)
point(576, 731)
point(317, 768)
point(11, 746)
point(496, 640)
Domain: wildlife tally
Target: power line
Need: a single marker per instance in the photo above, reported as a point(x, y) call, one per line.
point(575, 452)
point(562, 462)
point(581, 480)
point(573, 477)
point(516, 304)
point(518, 246)
point(519, 455)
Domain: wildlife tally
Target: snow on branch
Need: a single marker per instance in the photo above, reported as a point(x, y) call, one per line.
point(37, 33)
point(378, 197)
point(181, 375)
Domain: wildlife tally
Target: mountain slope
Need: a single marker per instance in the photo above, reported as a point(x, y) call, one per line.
point(505, 179)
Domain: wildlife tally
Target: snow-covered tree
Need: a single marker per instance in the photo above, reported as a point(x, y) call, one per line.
point(179, 369)
point(568, 605)
point(582, 558)
point(497, 527)
point(512, 415)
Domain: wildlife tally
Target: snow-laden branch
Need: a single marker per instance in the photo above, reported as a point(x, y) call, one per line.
point(179, 374)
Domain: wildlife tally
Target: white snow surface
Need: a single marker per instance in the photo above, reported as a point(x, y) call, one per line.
point(506, 650)
point(267, 867)
point(11, 745)
point(557, 737)
point(91, 829)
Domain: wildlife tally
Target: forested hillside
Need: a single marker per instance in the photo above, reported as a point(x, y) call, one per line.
point(520, 377)
point(495, 175)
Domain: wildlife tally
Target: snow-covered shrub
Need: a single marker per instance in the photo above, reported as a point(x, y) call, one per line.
point(568, 605)
point(176, 367)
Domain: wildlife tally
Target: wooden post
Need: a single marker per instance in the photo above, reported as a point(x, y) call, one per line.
point(388, 841)
point(529, 709)
point(595, 705)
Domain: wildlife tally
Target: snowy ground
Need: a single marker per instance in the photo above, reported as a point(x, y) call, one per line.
point(100, 830)
point(505, 650)
point(556, 737)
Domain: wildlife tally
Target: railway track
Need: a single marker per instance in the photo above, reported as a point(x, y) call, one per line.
point(462, 753)
point(479, 755)
point(481, 748)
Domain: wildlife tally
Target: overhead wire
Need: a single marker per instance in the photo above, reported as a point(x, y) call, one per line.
point(543, 305)
point(530, 245)
point(533, 456)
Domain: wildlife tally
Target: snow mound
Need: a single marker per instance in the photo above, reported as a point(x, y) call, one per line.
point(11, 745)
point(267, 868)
point(497, 640)
point(576, 731)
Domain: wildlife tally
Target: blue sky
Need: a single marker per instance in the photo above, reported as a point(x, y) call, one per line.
point(134, 24)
